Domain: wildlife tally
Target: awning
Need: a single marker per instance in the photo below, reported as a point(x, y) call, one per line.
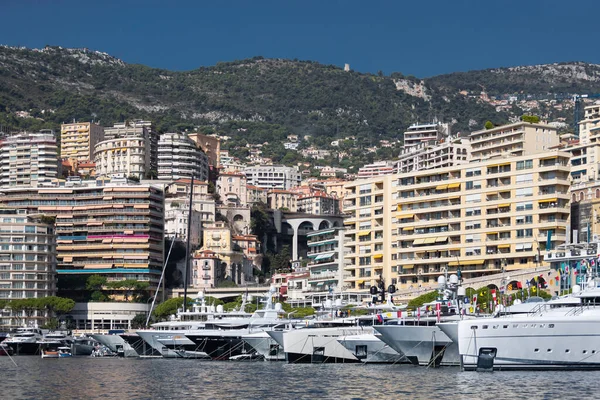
point(519, 247)
point(453, 198)
point(441, 239)
point(548, 200)
point(364, 233)
point(406, 216)
point(527, 246)
point(469, 262)
point(409, 266)
point(409, 228)
point(503, 165)
point(360, 282)
point(453, 185)
point(504, 246)
point(349, 222)
point(324, 256)
point(378, 255)
point(504, 205)
point(492, 233)
point(441, 187)
point(428, 240)
point(549, 157)
point(320, 284)
point(419, 241)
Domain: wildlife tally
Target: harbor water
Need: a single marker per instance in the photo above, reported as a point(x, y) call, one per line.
point(116, 378)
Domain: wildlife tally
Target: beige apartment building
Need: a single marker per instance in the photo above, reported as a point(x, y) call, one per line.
point(513, 140)
point(480, 217)
point(77, 140)
point(278, 199)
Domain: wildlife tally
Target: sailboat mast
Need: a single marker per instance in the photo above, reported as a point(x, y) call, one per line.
point(187, 247)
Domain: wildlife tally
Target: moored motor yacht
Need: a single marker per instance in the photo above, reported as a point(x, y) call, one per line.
point(25, 341)
point(563, 333)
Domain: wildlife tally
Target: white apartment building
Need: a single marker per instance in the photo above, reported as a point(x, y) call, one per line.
point(176, 221)
point(513, 140)
point(180, 157)
point(77, 140)
point(444, 153)
point(27, 263)
point(376, 169)
point(273, 176)
point(28, 159)
point(425, 133)
point(326, 262)
point(129, 148)
point(127, 156)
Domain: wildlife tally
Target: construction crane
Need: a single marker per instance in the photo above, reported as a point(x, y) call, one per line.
point(577, 109)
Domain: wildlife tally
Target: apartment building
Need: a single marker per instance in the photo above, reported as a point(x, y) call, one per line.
point(273, 176)
point(28, 159)
point(176, 221)
point(444, 153)
point(77, 140)
point(425, 133)
point(326, 261)
point(483, 217)
point(207, 271)
point(115, 230)
point(282, 199)
point(236, 266)
point(319, 203)
point(232, 188)
point(203, 202)
point(376, 169)
point(180, 157)
point(515, 139)
point(255, 195)
point(128, 149)
point(27, 263)
point(210, 145)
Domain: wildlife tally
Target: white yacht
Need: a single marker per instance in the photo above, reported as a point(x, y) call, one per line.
point(25, 341)
point(264, 345)
point(169, 337)
point(563, 333)
point(223, 339)
point(419, 339)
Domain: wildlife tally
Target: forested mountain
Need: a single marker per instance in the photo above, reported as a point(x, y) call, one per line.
point(268, 98)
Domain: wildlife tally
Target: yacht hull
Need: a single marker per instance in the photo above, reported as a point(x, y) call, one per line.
point(422, 345)
point(116, 344)
point(23, 348)
point(265, 346)
point(316, 345)
point(370, 349)
point(541, 342)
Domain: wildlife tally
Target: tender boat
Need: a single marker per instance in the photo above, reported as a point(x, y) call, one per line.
point(64, 352)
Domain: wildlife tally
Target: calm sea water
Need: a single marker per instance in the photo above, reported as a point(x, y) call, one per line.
point(113, 378)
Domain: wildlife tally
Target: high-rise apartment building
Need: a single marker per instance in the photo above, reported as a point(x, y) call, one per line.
point(513, 140)
point(77, 140)
point(273, 176)
point(444, 153)
point(482, 217)
point(28, 159)
point(180, 157)
point(128, 149)
point(114, 230)
point(326, 261)
point(27, 263)
point(425, 133)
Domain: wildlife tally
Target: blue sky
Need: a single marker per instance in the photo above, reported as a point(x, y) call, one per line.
point(421, 38)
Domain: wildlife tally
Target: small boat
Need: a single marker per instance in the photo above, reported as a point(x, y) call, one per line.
point(64, 351)
point(49, 353)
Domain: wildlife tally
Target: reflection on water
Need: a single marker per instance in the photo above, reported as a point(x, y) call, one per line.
point(114, 378)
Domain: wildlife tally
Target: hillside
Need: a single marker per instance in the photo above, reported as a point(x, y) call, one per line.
point(268, 98)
